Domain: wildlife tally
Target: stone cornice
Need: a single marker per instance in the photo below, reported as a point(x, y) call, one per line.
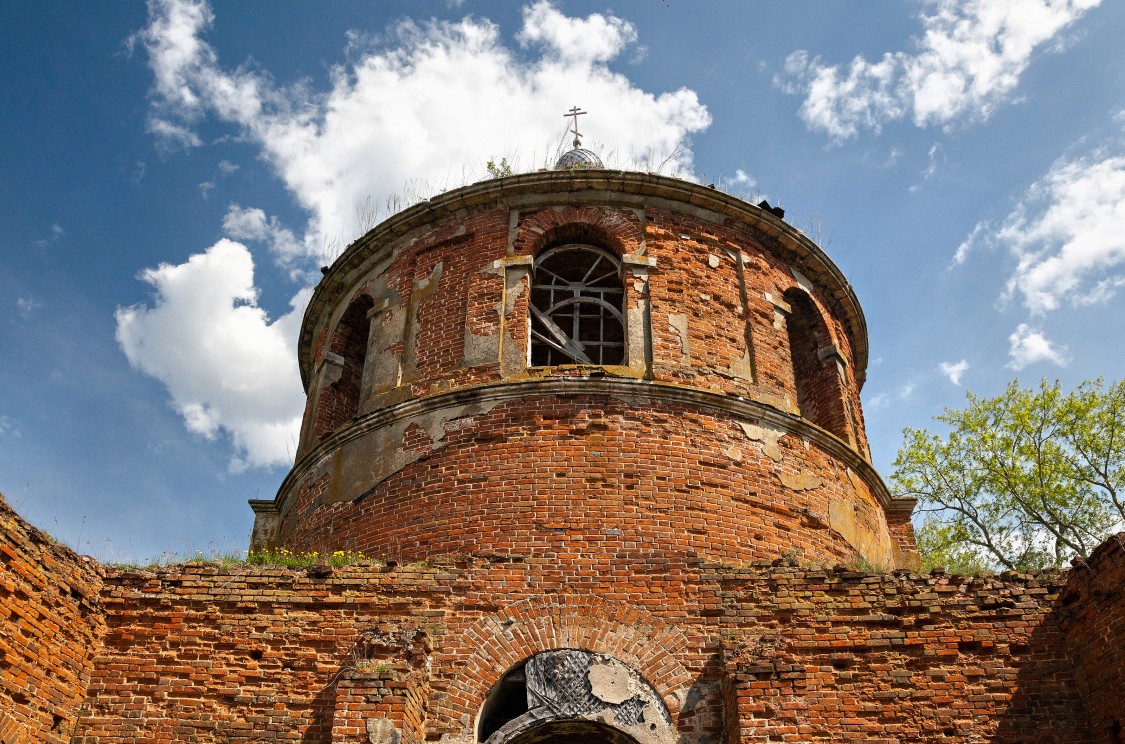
point(633, 391)
point(609, 187)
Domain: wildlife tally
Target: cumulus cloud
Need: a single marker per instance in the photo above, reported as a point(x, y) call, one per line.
point(954, 370)
point(252, 224)
point(1029, 345)
point(422, 109)
point(1068, 234)
point(227, 366)
point(968, 60)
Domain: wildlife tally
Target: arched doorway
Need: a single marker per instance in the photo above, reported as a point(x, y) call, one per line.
point(572, 732)
point(573, 695)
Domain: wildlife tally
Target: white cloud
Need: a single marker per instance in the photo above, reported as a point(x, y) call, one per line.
point(251, 223)
point(226, 167)
point(429, 105)
point(742, 178)
point(227, 367)
point(969, 60)
point(246, 224)
point(935, 156)
point(980, 232)
point(954, 370)
point(1068, 234)
point(1029, 345)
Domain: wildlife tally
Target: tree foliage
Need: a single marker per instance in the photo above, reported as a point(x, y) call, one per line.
point(1028, 479)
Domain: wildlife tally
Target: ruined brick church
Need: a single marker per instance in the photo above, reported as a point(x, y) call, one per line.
point(601, 434)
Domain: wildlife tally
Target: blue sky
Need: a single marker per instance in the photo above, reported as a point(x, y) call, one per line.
point(173, 175)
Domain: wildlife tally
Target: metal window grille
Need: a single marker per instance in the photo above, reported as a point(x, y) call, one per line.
point(576, 307)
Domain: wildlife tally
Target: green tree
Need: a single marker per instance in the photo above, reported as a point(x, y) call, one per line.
point(1028, 479)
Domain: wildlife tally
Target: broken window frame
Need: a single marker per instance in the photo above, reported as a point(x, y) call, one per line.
point(561, 309)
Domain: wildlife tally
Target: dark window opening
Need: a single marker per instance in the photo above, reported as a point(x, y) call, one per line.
point(820, 395)
point(576, 307)
point(339, 402)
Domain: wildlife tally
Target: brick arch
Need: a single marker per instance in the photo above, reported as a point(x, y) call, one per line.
point(618, 230)
point(649, 644)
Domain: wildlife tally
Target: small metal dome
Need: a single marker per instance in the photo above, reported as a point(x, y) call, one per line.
point(578, 158)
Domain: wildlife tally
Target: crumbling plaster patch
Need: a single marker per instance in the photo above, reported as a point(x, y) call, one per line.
point(767, 436)
point(364, 462)
point(382, 731)
point(484, 348)
point(803, 481)
point(678, 322)
point(424, 289)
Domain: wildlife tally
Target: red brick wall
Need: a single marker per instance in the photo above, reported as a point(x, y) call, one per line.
point(592, 480)
point(837, 655)
point(752, 653)
point(339, 402)
point(50, 626)
point(1094, 620)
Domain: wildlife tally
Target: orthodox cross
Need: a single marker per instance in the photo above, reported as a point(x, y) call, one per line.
point(575, 112)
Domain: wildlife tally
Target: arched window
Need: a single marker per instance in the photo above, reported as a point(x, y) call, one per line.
point(820, 394)
point(576, 307)
point(339, 401)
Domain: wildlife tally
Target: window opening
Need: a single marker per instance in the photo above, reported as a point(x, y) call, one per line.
point(576, 300)
point(339, 402)
point(819, 393)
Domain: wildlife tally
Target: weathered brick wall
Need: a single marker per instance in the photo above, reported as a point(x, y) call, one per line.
point(755, 653)
point(1093, 617)
point(712, 324)
point(51, 624)
point(839, 655)
point(587, 478)
point(204, 653)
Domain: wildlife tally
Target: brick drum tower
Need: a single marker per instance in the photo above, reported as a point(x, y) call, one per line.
point(594, 368)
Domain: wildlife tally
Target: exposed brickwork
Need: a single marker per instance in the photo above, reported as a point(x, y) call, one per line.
point(51, 624)
point(820, 656)
point(1093, 617)
point(762, 652)
point(564, 476)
